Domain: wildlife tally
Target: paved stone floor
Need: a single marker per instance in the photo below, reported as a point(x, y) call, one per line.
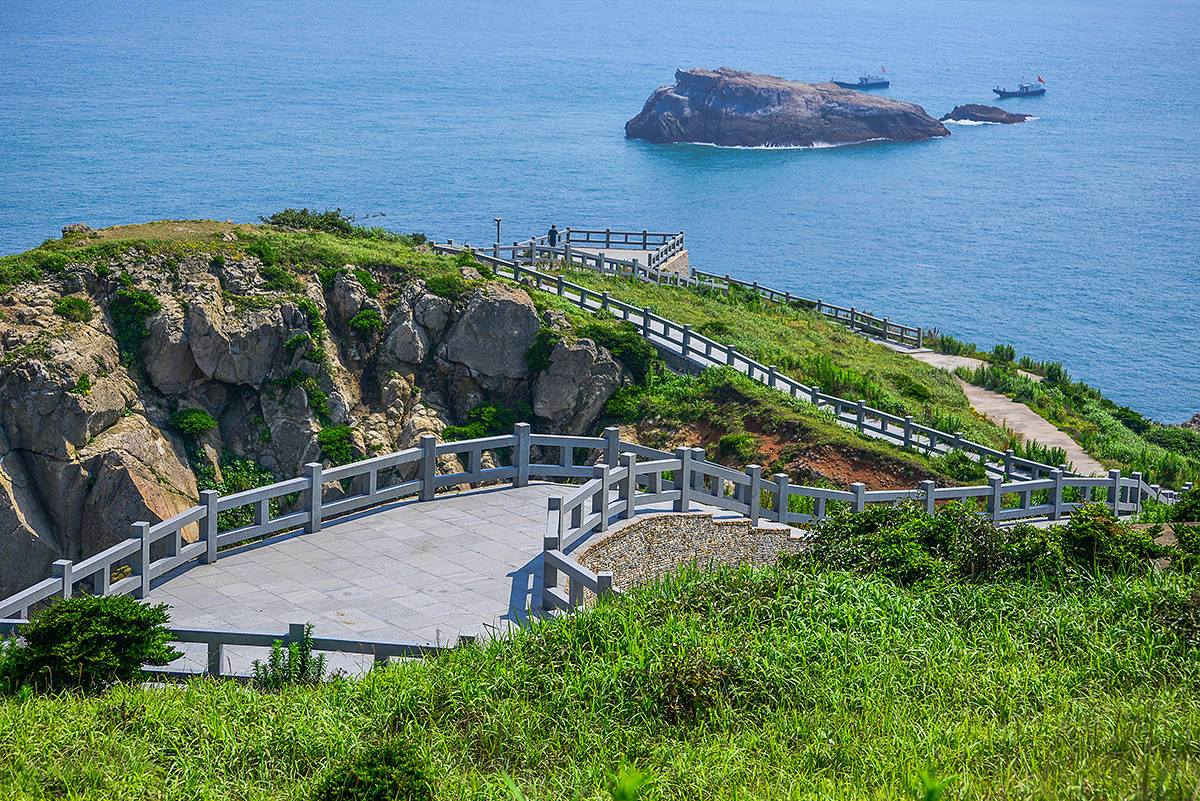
point(405, 572)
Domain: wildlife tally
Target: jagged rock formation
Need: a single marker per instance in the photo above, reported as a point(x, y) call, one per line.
point(1193, 424)
point(745, 109)
point(86, 442)
point(973, 112)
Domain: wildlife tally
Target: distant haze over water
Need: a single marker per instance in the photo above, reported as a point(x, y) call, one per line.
point(1074, 236)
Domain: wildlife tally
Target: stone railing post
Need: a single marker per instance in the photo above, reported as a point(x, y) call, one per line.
point(600, 499)
point(772, 372)
point(604, 298)
point(993, 503)
point(558, 287)
point(141, 531)
point(928, 488)
point(687, 339)
point(1056, 476)
point(600, 262)
point(215, 657)
point(816, 394)
point(861, 415)
point(62, 570)
point(521, 454)
point(860, 495)
point(683, 479)
point(755, 492)
point(958, 441)
point(604, 584)
point(781, 497)
point(208, 498)
point(1009, 455)
point(908, 430)
point(1114, 492)
point(315, 483)
point(1136, 497)
point(568, 259)
point(550, 542)
point(730, 355)
point(628, 488)
point(612, 445)
point(646, 322)
point(920, 337)
point(428, 468)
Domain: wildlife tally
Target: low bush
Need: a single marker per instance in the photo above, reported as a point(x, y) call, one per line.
point(625, 343)
point(77, 310)
point(489, 420)
point(87, 643)
point(84, 385)
point(293, 663)
point(279, 279)
point(537, 355)
point(1187, 508)
point(1004, 354)
point(366, 322)
point(740, 446)
point(963, 468)
point(388, 772)
point(337, 444)
point(906, 544)
point(447, 285)
point(129, 309)
point(192, 422)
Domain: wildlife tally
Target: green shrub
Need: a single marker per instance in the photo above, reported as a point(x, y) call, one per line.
point(368, 281)
point(296, 342)
point(277, 278)
point(337, 444)
point(1095, 540)
point(447, 285)
point(537, 355)
point(626, 344)
point(948, 344)
point(264, 250)
point(293, 663)
point(77, 310)
point(1187, 508)
point(366, 322)
point(192, 422)
point(129, 310)
point(387, 772)
point(87, 643)
point(740, 445)
point(961, 467)
point(1004, 354)
point(488, 420)
point(83, 386)
point(332, 222)
point(316, 325)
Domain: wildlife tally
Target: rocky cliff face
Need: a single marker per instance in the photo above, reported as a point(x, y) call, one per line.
point(87, 442)
point(733, 108)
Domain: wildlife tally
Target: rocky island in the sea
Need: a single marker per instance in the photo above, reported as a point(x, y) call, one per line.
point(974, 112)
point(744, 109)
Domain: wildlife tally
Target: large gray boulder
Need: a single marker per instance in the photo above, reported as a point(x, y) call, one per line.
point(489, 340)
point(745, 109)
point(570, 394)
point(240, 347)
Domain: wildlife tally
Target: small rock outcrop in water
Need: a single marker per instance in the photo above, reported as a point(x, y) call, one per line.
point(1193, 424)
point(973, 112)
point(745, 109)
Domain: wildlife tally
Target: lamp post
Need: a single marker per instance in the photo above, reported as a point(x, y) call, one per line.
point(497, 219)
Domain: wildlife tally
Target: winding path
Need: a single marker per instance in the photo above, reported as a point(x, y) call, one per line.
point(1005, 411)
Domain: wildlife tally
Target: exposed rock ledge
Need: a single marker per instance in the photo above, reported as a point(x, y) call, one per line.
point(744, 109)
point(973, 112)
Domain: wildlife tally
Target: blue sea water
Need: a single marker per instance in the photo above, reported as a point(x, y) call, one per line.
point(1073, 236)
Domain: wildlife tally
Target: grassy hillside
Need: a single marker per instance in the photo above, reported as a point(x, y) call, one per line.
point(782, 684)
point(812, 350)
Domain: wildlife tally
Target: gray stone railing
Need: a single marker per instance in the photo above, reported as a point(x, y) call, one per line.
point(642, 476)
point(687, 478)
point(681, 341)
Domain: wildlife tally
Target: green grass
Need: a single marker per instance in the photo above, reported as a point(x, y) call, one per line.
point(812, 351)
point(724, 685)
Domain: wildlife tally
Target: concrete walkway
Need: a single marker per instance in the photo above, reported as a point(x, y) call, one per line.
point(1007, 412)
point(405, 572)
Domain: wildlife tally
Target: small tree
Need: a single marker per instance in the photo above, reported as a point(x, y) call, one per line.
point(87, 643)
point(293, 663)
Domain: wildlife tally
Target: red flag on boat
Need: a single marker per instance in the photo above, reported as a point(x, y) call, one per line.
point(1040, 79)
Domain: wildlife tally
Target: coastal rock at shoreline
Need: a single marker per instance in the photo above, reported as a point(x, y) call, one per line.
point(974, 112)
point(1193, 424)
point(744, 109)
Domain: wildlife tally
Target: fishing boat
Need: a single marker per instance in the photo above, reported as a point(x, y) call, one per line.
point(865, 82)
point(1024, 89)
